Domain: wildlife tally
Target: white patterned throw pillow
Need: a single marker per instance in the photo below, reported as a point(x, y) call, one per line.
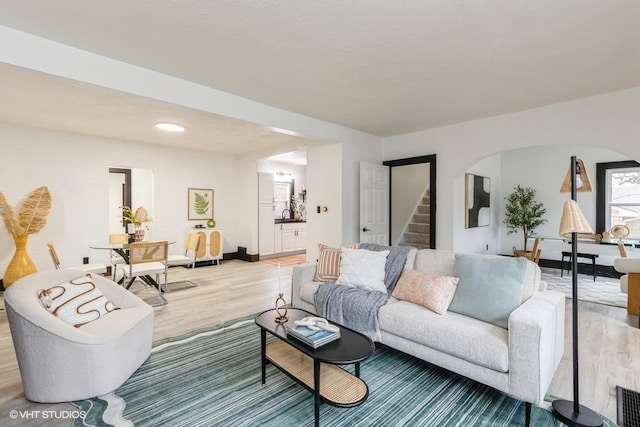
point(363, 268)
point(76, 302)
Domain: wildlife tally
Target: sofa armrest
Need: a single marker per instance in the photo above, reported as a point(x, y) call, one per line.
point(302, 273)
point(536, 344)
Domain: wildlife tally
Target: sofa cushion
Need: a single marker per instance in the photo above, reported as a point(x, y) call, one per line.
point(442, 263)
point(432, 292)
point(490, 288)
point(531, 283)
point(460, 336)
point(363, 268)
point(328, 268)
point(435, 262)
point(308, 292)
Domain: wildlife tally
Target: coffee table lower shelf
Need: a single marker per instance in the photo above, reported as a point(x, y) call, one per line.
point(337, 386)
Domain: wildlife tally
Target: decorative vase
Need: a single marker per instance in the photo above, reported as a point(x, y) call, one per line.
point(20, 265)
point(139, 233)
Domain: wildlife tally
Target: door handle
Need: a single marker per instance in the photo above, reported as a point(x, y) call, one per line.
point(365, 229)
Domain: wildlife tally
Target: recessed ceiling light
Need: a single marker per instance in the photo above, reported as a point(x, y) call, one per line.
point(171, 127)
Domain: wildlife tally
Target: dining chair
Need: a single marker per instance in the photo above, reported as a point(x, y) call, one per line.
point(97, 268)
point(190, 252)
point(188, 259)
point(146, 260)
point(116, 258)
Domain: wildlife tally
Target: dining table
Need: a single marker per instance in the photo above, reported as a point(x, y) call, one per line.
point(122, 249)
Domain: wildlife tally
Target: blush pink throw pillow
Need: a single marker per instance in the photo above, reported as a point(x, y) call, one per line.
point(432, 292)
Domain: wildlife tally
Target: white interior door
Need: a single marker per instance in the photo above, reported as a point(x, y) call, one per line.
point(374, 203)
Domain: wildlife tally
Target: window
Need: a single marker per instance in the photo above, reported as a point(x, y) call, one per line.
point(618, 196)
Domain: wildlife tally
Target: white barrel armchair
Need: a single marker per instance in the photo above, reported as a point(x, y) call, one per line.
point(59, 362)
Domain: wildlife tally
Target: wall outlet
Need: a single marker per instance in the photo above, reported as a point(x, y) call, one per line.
point(85, 260)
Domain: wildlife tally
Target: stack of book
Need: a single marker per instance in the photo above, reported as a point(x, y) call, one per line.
point(313, 338)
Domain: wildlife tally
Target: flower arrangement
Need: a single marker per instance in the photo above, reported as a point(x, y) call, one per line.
point(137, 217)
point(297, 207)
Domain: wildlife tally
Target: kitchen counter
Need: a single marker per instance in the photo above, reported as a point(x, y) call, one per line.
point(287, 220)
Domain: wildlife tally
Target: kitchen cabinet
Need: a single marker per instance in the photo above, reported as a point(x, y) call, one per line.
point(291, 237)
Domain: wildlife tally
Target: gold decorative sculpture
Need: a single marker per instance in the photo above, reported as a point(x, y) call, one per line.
point(31, 218)
point(281, 303)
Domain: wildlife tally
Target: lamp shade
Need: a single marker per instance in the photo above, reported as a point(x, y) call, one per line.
point(573, 220)
point(583, 182)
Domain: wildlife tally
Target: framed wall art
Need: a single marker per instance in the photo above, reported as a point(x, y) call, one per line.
point(477, 191)
point(200, 203)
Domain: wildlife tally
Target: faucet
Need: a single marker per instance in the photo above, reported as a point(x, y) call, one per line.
point(286, 210)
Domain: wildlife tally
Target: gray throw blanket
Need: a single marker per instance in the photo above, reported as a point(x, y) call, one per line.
point(357, 308)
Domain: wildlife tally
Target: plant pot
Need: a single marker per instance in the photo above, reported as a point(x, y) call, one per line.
point(20, 265)
point(139, 233)
point(526, 254)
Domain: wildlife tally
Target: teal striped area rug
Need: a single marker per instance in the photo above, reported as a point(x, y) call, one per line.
point(212, 378)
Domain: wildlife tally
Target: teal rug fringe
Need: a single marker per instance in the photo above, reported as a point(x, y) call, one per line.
point(211, 377)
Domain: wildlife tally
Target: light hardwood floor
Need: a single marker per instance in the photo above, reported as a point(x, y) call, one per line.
point(609, 338)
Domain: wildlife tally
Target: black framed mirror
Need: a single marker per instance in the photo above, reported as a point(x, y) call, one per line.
point(412, 201)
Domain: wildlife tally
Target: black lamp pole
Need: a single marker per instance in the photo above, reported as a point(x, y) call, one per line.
point(573, 413)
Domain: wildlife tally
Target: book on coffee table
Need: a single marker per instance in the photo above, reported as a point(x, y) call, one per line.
point(311, 337)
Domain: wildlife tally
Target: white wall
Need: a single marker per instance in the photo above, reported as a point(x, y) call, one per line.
point(479, 239)
point(325, 184)
point(543, 168)
point(606, 121)
point(75, 168)
point(50, 57)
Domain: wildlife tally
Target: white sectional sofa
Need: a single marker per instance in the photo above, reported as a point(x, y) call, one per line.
point(519, 360)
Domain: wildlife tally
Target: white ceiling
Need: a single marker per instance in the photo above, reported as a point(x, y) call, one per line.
point(383, 67)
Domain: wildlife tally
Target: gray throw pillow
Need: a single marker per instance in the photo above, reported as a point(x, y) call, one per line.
point(490, 288)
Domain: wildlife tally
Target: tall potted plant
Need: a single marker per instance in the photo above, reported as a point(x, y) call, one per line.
point(523, 213)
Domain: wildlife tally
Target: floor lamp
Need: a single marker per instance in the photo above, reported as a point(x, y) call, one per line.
point(572, 413)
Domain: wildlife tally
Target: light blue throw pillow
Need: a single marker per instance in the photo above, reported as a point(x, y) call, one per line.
point(489, 288)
